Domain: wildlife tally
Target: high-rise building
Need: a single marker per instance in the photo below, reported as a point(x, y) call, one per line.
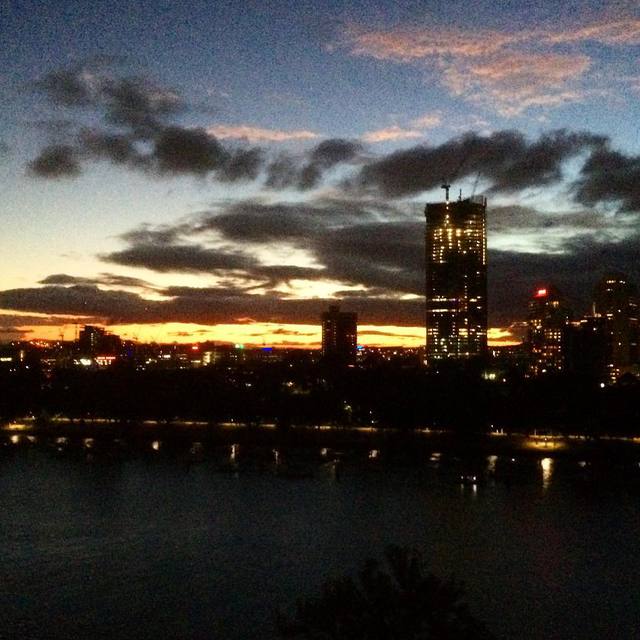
point(548, 318)
point(585, 348)
point(93, 340)
point(615, 300)
point(339, 336)
point(456, 278)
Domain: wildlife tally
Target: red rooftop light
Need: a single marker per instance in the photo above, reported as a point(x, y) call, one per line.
point(541, 293)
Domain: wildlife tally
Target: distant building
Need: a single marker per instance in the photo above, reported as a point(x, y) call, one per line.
point(456, 279)
point(94, 340)
point(616, 302)
point(585, 348)
point(339, 336)
point(547, 319)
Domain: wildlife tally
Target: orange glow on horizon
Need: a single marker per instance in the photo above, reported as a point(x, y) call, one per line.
point(255, 334)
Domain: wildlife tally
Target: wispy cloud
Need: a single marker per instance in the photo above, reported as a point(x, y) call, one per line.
point(396, 132)
point(427, 120)
point(411, 44)
point(391, 133)
point(611, 32)
point(259, 134)
point(510, 72)
point(512, 82)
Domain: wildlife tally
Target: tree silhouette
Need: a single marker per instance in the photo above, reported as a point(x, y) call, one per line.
point(399, 603)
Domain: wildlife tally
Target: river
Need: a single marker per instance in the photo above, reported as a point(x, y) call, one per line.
point(146, 547)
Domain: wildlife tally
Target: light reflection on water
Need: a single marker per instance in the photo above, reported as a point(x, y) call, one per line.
point(546, 464)
point(148, 550)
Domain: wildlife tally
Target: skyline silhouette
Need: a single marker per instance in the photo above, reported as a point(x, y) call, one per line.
point(226, 173)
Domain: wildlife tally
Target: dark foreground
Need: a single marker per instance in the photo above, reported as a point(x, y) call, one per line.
point(206, 541)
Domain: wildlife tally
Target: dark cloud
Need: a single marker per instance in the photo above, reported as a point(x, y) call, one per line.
point(14, 331)
point(242, 164)
point(282, 172)
point(610, 176)
point(77, 300)
point(68, 87)
point(306, 171)
point(505, 158)
point(252, 221)
point(373, 332)
point(178, 258)
point(24, 320)
point(64, 279)
point(190, 258)
point(276, 274)
point(146, 234)
point(175, 150)
point(349, 239)
point(104, 279)
point(205, 306)
point(386, 255)
point(329, 153)
point(58, 129)
point(249, 221)
point(281, 331)
point(575, 271)
point(351, 242)
point(122, 281)
point(512, 278)
point(139, 104)
point(386, 258)
point(139, 130)
point(117, 148)
point(517, 218)
point(179, 150)
point(323, 157)
point(133, 102)
point(55, 161)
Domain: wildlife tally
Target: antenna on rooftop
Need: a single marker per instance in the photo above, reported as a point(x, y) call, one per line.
point(475, 185)
point(446, 188)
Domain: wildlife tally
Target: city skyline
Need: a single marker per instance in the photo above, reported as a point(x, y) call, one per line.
point(228, 173)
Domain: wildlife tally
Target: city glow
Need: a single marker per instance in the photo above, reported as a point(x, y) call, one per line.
point(260, 334)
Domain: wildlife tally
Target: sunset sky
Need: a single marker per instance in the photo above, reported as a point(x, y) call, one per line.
point(225, 170)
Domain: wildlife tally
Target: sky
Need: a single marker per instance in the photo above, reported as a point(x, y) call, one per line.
point(226, 170)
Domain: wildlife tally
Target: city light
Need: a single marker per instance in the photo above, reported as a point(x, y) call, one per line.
point(547, 470)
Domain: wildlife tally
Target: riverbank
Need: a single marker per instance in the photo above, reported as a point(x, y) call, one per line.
point(391, 445)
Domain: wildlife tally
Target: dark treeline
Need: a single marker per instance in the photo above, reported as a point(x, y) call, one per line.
point(306, 394)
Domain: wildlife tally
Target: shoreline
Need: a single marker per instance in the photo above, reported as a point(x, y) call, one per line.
point(410, 445)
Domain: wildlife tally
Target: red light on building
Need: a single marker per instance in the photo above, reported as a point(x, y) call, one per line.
point(541, 293)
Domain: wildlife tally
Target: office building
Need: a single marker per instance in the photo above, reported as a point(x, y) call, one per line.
point(547, 319)
point(456, 279)
point(616, 302)
point(339, 336)
point(96, 340)
point(585, 348)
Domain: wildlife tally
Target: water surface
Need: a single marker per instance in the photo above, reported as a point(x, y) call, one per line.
point(155, 548)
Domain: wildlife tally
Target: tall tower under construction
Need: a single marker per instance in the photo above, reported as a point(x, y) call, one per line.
point(456, 278)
